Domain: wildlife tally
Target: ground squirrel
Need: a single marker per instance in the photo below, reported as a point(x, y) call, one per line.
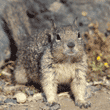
point(54, 57)
point(50, 57)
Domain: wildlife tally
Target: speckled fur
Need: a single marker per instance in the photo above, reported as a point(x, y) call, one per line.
point(53, 57)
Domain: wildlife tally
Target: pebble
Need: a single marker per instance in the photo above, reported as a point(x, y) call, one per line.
point(4, 72)
point(20, 97)
point(84, 13)
point(1, 102)
point(29, 92)
point(56, 6)
point(8, 88)
point(2, 83)
point(36, 96)
point(2, 97)
point(10, 100)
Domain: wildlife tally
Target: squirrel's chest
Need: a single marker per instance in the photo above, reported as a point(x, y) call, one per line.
point(64, 72)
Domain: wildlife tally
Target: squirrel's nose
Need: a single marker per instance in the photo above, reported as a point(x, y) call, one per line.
point(71, 44)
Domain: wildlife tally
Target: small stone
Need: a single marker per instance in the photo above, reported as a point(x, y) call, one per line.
point(30, 98)
point(2, 97)
point(21, 97)
point(2, 83)
point(84, 13)
point(29, 92)
point(4, 72)
point(55, 7)
point(10, 100)
point(64, 94)
point(1, 102)
point(8, 88)
point(37, 96)
point(91, 25)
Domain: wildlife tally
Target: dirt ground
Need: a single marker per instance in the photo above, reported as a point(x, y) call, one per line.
point(99, 101)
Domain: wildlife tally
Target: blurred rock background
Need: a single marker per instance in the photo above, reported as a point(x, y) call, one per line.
point(4, 41)
point(63, 12)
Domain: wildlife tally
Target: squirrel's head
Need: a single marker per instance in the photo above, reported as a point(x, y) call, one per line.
point(67, 43)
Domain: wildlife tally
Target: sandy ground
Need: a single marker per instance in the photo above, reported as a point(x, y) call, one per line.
point(99, 101)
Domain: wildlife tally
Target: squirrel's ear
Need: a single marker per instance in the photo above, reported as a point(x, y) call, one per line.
point(75, 22)
point(53, 26)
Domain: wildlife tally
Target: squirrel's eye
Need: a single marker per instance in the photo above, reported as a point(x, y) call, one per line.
point(49, 37)
point(79, 36)
point(58, 37)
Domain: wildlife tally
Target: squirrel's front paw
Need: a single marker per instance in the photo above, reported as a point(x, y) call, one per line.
point(54, 106)
point(83, 103)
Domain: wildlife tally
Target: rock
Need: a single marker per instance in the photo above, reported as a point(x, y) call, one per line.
point(84, 13)
point(64, 94)
point(1, 102)
point(30, 92)
point(4, 41)
point(4, 45)
point(30, 98)
point(21, 97)
point(2, 83)
point(55, 7)
point(38, 96)
point(10, 101)
point(4, 72)
point(90, 90)
point(2, 97)
point(8, 88)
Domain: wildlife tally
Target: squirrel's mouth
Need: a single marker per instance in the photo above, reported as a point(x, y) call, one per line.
point(70, 52)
